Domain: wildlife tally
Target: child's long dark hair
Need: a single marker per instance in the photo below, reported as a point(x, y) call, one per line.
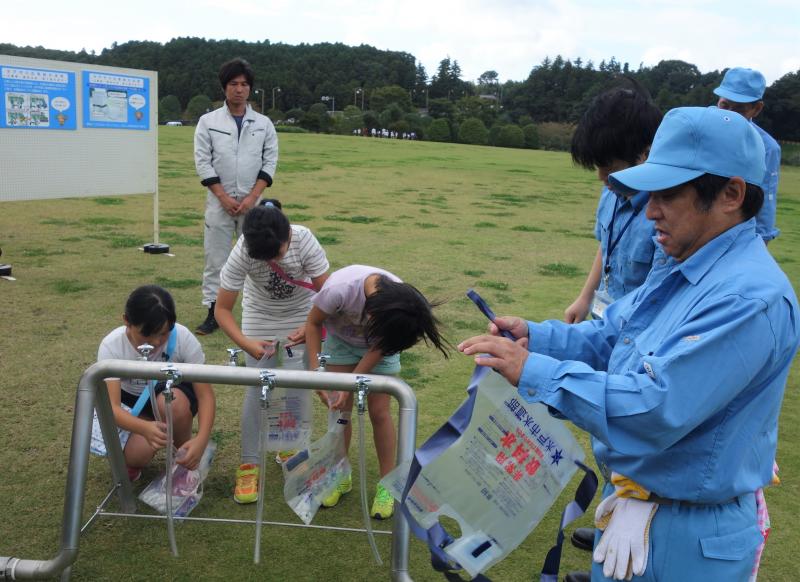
point(150, 307)
point(398, 316)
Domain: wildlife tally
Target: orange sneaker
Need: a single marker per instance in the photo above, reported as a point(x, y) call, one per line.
point(246, 490)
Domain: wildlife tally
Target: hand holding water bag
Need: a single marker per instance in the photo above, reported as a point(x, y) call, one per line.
point(187, 486)
point(291, 411)
point(496, 467)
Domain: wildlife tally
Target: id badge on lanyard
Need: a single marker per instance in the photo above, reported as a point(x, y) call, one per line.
point(601, 300)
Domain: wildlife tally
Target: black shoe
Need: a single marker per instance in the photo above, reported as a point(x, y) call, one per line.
point(578, 576)
point(210, 325)
point(583, 538)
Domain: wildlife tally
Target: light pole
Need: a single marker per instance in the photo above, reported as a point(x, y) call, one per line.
point(278, 89)
point(256, 92)
point(327, 98)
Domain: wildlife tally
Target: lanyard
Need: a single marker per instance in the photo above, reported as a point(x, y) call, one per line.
point(282, 274)
point(612, 244)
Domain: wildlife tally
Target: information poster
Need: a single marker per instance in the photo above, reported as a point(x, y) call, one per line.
point(37, 98)
point(115, 101)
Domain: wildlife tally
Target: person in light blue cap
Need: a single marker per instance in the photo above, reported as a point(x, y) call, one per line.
point(742, 91)
point(682, 380)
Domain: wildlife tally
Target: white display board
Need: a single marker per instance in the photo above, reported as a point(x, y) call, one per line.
point(75, 129)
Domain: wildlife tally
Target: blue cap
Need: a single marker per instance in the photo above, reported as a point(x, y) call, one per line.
point(742, 85)
point(692, 141)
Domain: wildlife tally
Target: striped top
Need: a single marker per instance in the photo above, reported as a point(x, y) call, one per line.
point(272, 306)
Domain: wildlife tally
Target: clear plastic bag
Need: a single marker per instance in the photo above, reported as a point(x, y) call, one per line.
point(187, 486)
point(312, 474)
point(497, 480)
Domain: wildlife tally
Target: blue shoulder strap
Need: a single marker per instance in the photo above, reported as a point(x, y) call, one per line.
point(437, 537)
point(144, 397)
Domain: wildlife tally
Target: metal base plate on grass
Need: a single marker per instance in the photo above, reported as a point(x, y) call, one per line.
point(156, 248)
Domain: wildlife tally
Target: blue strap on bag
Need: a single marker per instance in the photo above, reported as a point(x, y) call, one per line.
point(437, 537)
point(144, 397)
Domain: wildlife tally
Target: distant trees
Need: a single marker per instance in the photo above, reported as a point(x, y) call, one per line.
point(439, 130)
point(197, 107)
point(473, 131)
point(169, 109)
point(556, 91)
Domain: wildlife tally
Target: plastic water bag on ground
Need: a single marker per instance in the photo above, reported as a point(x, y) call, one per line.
point(313, 473)
point(187, 486)
point(498, 479)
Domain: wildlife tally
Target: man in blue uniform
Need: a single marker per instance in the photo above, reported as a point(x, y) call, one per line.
point(742, 91)
point(681, 382)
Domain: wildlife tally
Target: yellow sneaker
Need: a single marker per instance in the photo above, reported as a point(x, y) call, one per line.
point(284, 456)
point(344, 486)
point(246, 490)
point(383, 505)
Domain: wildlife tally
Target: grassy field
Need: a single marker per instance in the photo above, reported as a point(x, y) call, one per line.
point(515, 224)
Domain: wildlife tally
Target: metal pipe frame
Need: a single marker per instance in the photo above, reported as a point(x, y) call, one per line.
point(90, 395)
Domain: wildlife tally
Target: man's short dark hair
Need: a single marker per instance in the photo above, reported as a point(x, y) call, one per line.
point(708, 187)
point(232, 69)
point(618, 125)
point(265, 229)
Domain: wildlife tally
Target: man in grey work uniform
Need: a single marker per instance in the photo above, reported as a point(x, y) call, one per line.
point(235, 153)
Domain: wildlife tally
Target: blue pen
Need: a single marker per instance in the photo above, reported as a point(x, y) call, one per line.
point(487, 311)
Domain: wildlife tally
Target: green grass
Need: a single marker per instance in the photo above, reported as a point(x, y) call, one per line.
point(76, 261)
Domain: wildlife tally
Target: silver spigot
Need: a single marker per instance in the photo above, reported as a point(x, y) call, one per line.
point(267, 385)
point(173, 377)
point(144, 351)
point(362, 382)
point(322, 360)
point(233, 356)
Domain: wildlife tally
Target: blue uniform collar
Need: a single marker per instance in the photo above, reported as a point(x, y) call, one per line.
point(639, 201)
point(696, 266)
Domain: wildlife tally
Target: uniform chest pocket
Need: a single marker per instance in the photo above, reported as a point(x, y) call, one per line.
point(642, 251)
point(220, 139)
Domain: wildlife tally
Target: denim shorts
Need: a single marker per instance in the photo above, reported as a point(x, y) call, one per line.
point(344, 354)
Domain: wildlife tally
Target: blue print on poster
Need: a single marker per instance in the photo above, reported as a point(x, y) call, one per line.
point(37, 99)
point(115, 101)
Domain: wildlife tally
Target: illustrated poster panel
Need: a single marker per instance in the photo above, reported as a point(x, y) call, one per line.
point(37, 98)
point(115, 101)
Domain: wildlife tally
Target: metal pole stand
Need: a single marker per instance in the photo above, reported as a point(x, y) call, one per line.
point(89, 391)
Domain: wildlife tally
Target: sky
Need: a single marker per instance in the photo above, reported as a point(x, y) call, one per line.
point(507, 36)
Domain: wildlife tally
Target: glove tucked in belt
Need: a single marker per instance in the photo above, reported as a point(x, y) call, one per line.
point(624, 517)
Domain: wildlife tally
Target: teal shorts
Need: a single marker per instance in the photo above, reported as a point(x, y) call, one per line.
point(342, 353)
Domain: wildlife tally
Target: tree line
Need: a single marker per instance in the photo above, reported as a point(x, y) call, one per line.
point(390, 87)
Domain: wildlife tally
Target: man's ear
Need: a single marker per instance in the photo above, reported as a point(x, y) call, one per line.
point(757, 107)
point(732, 196)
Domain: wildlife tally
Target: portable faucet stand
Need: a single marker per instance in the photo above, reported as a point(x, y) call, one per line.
point(173, 376)
point(144, 351)
point(90, 392)
point(267, 384)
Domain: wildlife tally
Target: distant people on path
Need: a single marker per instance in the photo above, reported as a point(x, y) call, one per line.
point(742, 91)
point(235, 153)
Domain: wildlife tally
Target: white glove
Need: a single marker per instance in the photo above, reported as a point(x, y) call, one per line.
point(623, 547)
